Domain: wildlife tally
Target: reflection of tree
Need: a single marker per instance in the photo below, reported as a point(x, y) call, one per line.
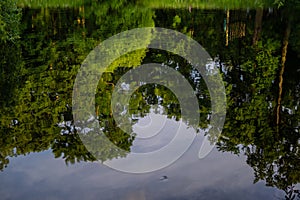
point(194, 78)
point(195, 4)
point(209, 4)
point(11, 66)
point(35, 113)
point(250, 127)
point(9, 21)
point(10, 53)
point(251, 73)
point(285, 43)
point(258, 25)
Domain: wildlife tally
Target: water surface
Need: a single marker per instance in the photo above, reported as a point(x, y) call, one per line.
point(256, 49)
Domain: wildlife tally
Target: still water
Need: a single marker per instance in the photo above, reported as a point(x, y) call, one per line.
point(256, 48)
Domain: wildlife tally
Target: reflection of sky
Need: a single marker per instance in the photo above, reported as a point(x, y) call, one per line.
point(153, 132)
point(218, 176)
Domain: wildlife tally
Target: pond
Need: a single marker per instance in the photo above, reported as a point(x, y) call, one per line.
point(201, 104)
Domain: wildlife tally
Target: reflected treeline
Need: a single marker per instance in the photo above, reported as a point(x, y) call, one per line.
point(257, 52)
point(263, 117)
point(198, 4)
point(258, 56)
point(38, 73)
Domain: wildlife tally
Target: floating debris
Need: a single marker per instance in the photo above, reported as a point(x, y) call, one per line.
point(163, 178)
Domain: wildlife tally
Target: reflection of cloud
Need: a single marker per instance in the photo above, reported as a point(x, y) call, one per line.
point(125, 86)
point(154, 131)
point(218, 176)
point(151, 125)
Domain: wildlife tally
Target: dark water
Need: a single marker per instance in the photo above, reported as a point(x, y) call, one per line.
point(42, 156)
